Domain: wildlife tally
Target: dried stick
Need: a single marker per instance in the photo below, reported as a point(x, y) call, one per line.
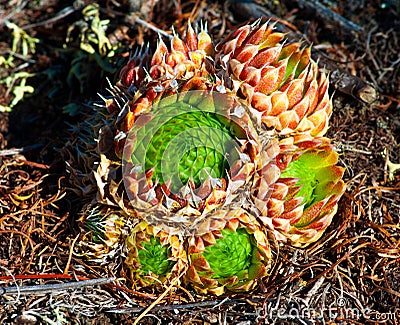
point(330, 16)
point(60, 15)
point(248, 9)
point(347, 83)
point(49, 288)
point(201, 304)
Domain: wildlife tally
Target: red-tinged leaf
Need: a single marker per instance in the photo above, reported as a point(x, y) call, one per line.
point(194, 84)
point(175, 58)
point(217, 196)
point(127, 72)
point(143, 104)
point(294, 91)
point(270, 174)
point(261, 102)
point(233, 224)
point(323, 94)
point(282, 225)
point(159, 54)
point(323, 83)
point(251, 75)
point(185, 69)
point(312, 95)
point(196, 245)
point(310, 214)
point(302, 108)
point(292, 203)
point(199, 262)
point(271, 121)
point(270, 79)
point(157, 71)
point(305, 125)
point(236, 67)
point(294, 215)
point(193, 275)
point(288, 119)
point(241, 34)
point(280, 191)
point(128, 77)
point(228, 47)
point(265, 57)
point(257, 34)
point(340, 186)
point(325, 104)
point(247, 90)
point(314, 230)
point(269, 29)
point(204, 190)
point(320, 121)
point(178, 45)
point(280, 103)
point(293, 189)
point(275, 207)
point(128, 122)
point(304, 145)
point(207, 282)
point(282, 160)
point(208, 239)
point(191, 39)
point(246, 53)
point(312, 73)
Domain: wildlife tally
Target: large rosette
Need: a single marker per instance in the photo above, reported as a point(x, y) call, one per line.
point(193, 152)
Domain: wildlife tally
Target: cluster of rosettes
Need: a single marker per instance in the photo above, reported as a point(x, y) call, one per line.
point(217, 150)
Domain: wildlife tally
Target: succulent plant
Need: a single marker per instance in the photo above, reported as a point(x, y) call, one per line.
point(187, 155)
point(303, 195)
point(279, 81)
point(154, 257)
point(230, 251)
point(220, 148)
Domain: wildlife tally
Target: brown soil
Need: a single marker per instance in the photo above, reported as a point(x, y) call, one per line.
point(350, 276)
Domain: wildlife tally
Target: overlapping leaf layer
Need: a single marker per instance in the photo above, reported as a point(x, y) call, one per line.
point(222, 148)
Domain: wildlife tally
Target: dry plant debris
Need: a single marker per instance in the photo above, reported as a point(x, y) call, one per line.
point(351, 275)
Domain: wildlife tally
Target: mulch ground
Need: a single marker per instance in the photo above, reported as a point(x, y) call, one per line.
point(350, 276)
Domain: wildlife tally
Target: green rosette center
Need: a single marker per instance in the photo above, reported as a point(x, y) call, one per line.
point(315, 173)
point(183, 142)
point(191, 146)
point(154, 257)
point(231, 255)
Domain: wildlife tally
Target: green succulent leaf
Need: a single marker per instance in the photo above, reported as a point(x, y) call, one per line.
point(314, 172)
point(185, 143)
point(231, 255)
point(154, 257)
